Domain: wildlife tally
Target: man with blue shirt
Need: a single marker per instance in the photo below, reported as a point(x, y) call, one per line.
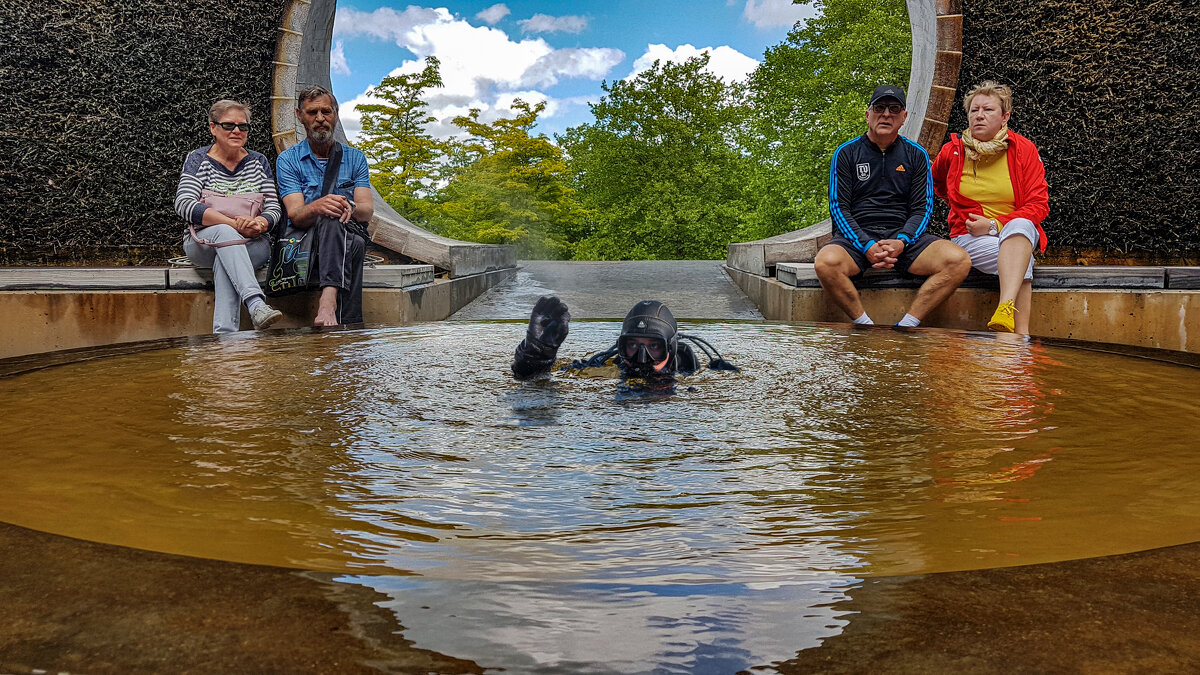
point(881, 201)
point(340, 216)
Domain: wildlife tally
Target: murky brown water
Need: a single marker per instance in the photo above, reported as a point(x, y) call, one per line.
point(407, 459)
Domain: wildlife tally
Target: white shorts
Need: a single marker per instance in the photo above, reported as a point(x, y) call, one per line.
point(984, 250)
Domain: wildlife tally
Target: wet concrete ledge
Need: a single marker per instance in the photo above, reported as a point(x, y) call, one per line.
point(84, 607)
point(74, 606)
point(1111, 277)
point(47, 309)
point(1136, 306)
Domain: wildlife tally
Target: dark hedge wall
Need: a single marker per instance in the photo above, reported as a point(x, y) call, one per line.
point(1109, 92)
point(103, 101)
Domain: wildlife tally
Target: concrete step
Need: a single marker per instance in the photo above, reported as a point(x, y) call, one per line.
point(175, 278)
point(758, 257)
point(91, 278)
point(801, 275)
point(1183, 277)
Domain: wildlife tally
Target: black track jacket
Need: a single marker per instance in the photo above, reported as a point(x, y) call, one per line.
point(876, 194)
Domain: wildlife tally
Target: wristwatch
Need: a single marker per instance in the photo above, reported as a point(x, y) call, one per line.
point(995, 228)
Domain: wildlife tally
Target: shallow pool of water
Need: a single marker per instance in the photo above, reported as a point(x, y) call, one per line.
point(558, 524)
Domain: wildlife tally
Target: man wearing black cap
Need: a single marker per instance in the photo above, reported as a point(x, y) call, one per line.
point(881, 201)
point(648, 347)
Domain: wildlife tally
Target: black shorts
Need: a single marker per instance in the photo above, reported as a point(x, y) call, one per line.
point(907, 256)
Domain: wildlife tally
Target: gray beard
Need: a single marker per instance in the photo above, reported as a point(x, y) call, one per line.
point(321, 136)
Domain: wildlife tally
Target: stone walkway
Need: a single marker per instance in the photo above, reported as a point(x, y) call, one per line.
point(693, 289)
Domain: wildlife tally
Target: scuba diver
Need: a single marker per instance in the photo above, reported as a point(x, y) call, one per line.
point(648, 348)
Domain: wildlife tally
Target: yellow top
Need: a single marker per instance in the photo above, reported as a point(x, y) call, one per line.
point(987, 182)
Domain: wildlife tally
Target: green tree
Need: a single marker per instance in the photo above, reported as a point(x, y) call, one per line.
point(508, 187)
point(405, 160)
point(809, 96)
point(657, 167)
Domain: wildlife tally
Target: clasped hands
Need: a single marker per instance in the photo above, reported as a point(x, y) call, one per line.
point(250, 227)
point(333, 206)
point(884, 253)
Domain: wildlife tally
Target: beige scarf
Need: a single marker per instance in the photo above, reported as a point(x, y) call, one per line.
point(976, 149)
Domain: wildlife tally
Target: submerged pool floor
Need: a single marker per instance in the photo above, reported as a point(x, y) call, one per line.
point(415, 510)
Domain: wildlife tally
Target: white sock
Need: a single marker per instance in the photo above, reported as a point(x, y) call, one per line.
point(254, 302)
point(909, 321)
point(864, 320)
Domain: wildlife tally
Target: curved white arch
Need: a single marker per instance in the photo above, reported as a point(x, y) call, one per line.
point(936, 57)
point(302, 59)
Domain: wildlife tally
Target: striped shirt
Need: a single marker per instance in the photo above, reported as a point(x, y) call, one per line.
point(201, 172)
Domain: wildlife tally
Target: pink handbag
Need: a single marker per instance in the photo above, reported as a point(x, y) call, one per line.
point(246, 205)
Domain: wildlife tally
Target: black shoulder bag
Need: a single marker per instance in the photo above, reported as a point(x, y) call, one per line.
point(294, 251)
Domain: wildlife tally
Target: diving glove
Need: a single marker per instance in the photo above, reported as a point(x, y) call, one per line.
point(549, 324)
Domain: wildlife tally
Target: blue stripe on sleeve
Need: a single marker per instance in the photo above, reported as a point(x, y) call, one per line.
point(835, 209)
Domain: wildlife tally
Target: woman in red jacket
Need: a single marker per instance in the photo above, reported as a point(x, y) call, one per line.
point(995, 184)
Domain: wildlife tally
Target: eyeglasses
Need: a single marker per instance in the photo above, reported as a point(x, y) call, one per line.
point(894, 108)
point(230, 126)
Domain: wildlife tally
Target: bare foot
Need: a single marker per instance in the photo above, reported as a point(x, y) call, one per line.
point(327, 308)
point(325, 318)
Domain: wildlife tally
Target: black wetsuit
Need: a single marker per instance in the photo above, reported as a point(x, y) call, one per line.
point(530, 361)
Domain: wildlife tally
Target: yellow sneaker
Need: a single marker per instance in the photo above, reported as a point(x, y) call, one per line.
point(1002, 321)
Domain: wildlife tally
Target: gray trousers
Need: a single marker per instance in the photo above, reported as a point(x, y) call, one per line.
point(233, 272)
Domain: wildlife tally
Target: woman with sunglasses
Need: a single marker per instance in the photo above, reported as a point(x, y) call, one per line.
point(227, 195)
point(995, 184)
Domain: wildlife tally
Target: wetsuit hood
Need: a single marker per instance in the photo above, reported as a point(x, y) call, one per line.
point(649, 319)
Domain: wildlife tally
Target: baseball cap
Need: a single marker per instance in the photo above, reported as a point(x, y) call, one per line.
point(888, 91)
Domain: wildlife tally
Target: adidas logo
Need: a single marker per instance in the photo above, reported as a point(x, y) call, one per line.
point(900, 168)
point(641, 324)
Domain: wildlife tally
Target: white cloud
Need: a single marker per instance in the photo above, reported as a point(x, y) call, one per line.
point(724, 61)
point(350, 118)
point(504, 103)
point(544, 23)
point(492, 15)
point(775, 13)
point(337, 60)
point(481, 66)
point(386, 23)
point(590, 63)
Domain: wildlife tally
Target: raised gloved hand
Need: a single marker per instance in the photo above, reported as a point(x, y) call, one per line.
point(549, 324)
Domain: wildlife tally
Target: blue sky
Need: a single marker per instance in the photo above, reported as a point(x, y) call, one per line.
point(557, 52)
